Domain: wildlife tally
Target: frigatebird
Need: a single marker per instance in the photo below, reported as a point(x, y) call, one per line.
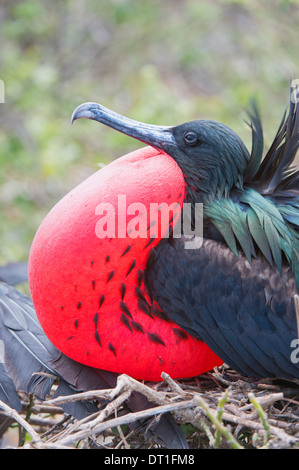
point(168, 308)
point(146, 304)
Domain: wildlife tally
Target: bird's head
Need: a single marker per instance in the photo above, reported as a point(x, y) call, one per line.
point(211, 156)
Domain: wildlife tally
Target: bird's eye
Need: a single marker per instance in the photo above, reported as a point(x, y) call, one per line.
point(191, 138)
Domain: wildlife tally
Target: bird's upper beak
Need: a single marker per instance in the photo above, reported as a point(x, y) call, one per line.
point(159, 137)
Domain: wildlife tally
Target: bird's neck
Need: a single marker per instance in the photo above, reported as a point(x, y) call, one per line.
point(198, 191)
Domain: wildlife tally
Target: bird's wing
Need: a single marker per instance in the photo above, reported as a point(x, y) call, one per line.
point(244, 312)
point(8, 393)
point(14, 273)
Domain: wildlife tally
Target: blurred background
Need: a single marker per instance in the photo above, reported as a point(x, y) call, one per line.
point(163, 62)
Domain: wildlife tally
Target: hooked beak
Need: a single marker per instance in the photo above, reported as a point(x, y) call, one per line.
point(155, 136)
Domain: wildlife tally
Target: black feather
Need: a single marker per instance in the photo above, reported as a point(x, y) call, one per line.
point(8, 393)
point(244, 313)
point(257, 144)
point(274, 170)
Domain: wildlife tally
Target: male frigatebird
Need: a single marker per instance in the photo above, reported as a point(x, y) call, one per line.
point(146, 304)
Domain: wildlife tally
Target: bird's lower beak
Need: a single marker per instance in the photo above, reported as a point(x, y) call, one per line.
point(156, 136)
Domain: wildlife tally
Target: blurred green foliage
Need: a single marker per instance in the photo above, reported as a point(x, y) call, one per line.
point(159, 62)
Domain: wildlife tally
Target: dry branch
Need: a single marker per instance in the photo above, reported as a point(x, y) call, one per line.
point(214, 410)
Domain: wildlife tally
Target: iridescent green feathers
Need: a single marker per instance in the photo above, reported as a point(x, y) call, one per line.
point(264, 215)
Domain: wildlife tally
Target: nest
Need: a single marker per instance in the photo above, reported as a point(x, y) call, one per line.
point(220, 409)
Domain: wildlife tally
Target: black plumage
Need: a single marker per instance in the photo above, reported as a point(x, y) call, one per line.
point(244, 312)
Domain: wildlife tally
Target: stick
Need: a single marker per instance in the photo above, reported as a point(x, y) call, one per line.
point(8, 411)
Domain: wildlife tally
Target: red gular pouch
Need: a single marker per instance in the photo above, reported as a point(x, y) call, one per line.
point(87, 266)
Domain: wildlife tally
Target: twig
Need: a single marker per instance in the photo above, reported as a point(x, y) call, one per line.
point(126, 419)
point(8, 411)
point(121, 434)
point(174, 385)
point(125, 382)
point(82, 396)
point(264, 401)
